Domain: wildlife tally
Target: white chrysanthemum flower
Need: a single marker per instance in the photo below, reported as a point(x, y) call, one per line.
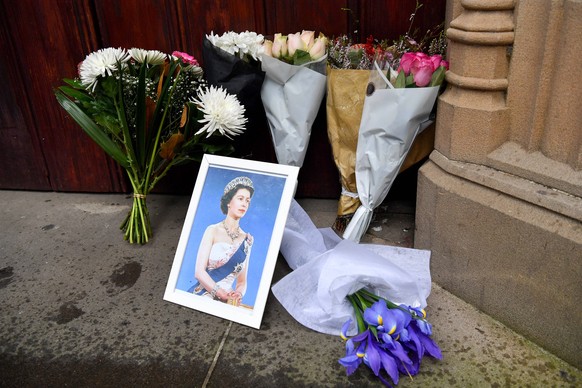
point(151, 57)
point(222, 112)
point(100, 63)
point(244, 43)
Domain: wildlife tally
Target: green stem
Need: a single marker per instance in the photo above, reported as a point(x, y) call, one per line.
point(161, 174)
point(154, 152)
point(359, 318)
point(137, 224)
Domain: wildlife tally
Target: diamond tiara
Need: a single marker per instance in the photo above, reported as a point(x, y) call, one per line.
point(241, 180)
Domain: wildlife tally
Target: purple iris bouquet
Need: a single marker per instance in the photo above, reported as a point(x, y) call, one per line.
point(391, 338)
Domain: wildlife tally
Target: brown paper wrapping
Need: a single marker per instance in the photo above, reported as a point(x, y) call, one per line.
point(346, 92)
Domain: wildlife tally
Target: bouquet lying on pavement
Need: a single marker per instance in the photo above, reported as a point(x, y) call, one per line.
point(233, 61)
point(335, 282)
point(149, 111)
point(294, 86)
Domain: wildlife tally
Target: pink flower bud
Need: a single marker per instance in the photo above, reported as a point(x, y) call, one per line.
point(319, 46)
point(268, 48)
point(307, 37)
point(279, 46)
point(186, 58)
point(294, 43)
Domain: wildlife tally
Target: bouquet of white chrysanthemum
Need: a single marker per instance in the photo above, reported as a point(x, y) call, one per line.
point(232, 61)
point(149, 111)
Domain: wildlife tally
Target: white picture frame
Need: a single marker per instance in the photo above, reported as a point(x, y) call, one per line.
point(274, 186)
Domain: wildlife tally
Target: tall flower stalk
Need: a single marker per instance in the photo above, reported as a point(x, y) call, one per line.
point(144, 109)
point(392, 339)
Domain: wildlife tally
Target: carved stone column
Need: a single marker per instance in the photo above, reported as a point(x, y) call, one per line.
point(499, 203)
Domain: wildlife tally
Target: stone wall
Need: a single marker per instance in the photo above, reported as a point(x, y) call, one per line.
point(500, 201)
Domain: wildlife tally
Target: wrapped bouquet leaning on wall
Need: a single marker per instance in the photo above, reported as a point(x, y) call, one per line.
point(351, 65)
point(295, 67)
point(233, 61)
point(150, 111)
point(393, 115)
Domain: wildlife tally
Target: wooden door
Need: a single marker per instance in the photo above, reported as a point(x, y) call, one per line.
point(43, 41)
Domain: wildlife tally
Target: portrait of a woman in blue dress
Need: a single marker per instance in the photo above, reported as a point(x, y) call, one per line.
point(222, 260)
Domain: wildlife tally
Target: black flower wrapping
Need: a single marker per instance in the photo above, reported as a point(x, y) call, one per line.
point(244, 79)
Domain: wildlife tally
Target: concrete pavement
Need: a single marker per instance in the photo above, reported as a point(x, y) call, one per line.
point(81, 307)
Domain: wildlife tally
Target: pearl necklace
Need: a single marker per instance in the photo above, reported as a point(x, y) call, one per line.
point(233, 235)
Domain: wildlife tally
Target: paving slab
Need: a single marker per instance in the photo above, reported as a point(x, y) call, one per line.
point(81, 307)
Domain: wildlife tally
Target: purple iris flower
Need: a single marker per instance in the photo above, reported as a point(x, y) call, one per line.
point(365, 347)
point(418, 344)
point(345, 327)
point(422, 324)
point(354, 356)
point(418, 327)
point(376, 314)
point(391, 321)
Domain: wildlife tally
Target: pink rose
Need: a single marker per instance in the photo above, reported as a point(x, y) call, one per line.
point(308, 38)
point(294, 43)
point(421, 66)
point(186, 58)
point(423, 75)
point(406, 62)
point(436, 61)
point(268, 48)
point(280, 46)
point(319, 46)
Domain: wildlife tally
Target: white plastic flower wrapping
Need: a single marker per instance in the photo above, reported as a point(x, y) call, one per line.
point(222, 112)
point(391, 120)
point(326, 269)
point(292, 95)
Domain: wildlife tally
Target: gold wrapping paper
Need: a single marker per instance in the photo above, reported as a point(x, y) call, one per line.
point(346, 92)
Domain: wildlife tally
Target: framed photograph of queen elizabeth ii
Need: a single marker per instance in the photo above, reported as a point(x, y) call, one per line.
point(231, 236)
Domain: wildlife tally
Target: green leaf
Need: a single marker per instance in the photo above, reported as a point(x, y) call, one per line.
point(410, 81)
point(400, 80)
point(75, 83)
point(92, 129)
point(224, 149)
point(300, 57)
point(110, 85)
point(374, 331)
point(355, 56)
point(76, 94)
point(108, 121)
point(438, 76)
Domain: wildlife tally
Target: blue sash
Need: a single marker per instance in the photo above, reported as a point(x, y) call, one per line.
point(217, 274)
